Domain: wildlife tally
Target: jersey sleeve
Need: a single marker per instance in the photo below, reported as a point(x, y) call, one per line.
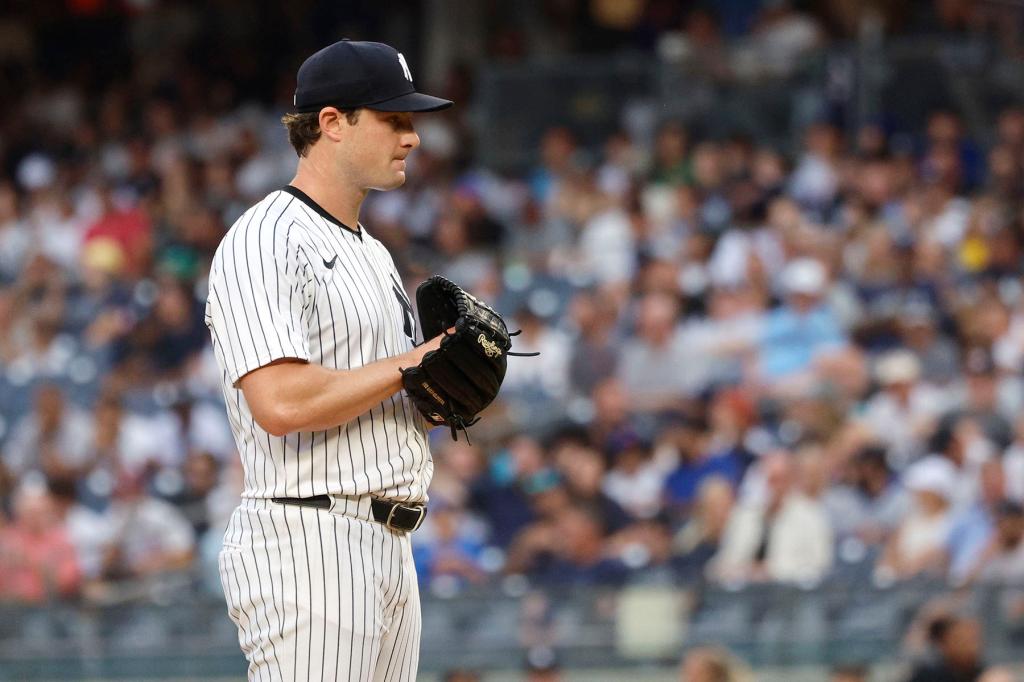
point(259, 290)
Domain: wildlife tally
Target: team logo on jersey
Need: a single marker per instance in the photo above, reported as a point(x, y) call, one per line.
point(490, 348)
point(405, 67)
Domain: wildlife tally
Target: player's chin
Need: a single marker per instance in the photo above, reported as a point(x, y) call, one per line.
point(395, 180)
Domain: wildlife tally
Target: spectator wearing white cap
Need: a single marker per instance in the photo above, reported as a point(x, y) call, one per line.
point(905, 411)
point(803, 327)
point(918, 545)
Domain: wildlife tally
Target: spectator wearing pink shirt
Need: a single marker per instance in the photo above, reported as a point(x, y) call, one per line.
point(37, 560)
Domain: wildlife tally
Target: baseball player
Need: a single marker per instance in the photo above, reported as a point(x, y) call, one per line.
point(312, 328)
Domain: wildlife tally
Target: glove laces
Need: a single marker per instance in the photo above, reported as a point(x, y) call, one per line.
point(521, 355)
point(457, 422)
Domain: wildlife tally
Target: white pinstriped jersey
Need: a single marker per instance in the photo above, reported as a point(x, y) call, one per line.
point(289, 281)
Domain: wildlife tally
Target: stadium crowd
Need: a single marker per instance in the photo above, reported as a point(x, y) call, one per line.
point(757, 365)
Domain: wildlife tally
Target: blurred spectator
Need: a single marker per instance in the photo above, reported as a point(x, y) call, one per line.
point(542, 384)
point(55, 221)
point(149, 535)
point(781, 35)
point(86, 528)
point(502, 493)
point(938, 355)
point(54, 438)
point(906, 410)
point(784, 537)
point(174, 332)
point(635, 480)
point(127, 225)
point(542, 665)
point(584, 473)
point(974, 528)
point(567, 549)
point(38, 563)
point(713, 664)
point(804, 327)
point(1001, 561)
point(991, 399)
point(670, 149)
point(594, 352)
point(605, 247)
point(999, 674)
point(558, 153)
point(956, 651)
point(461, 675)
point(657, 345)
point(815, 180)
point(14, 235)
point(918, 545)
point(194, 501)
point(449, 553)
point(719, 341)
point(612, 419)
point(961, 441)
point(873, 504)
point(700, 538)
point(945, 130)
point(696, 464)
point(849, 673)
point(1013, 463)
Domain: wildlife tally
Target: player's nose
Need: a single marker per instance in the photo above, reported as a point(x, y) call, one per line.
point(410, 140)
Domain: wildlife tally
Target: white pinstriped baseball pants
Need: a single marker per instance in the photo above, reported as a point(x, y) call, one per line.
point(321, 595)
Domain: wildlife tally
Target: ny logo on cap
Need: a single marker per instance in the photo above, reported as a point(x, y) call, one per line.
point(405, 66)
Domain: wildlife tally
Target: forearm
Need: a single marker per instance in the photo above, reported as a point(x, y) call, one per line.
point(290, 396)
point(314, 398)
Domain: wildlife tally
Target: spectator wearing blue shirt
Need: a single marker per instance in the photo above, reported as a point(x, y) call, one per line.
point(568, 549)
point(801, 329)
point(696, 465)
point(452, 548)
point(502, 495)
point(973, 529)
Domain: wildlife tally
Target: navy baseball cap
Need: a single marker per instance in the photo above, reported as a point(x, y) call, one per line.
point(351, 74)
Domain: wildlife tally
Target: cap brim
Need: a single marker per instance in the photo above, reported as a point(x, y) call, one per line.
point(414, 101)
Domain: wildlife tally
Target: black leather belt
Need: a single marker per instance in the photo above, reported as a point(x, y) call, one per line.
point(394, 515)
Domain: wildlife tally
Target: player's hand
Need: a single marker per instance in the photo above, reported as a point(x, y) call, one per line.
point(453, 385)
point(417, 353)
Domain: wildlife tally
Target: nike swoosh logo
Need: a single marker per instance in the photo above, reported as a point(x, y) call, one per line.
point(329, 264)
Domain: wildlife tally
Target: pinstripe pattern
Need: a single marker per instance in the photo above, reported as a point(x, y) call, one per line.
point(350, 609)
point(271, 296)
point(317, 595)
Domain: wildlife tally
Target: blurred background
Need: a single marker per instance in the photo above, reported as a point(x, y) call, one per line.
point(770, 252)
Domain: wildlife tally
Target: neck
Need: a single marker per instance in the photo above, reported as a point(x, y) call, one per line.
point(338, 198)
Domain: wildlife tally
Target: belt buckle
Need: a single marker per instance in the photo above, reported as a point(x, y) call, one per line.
point(391, 513)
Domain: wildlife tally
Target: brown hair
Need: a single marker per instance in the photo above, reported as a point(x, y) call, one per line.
point(304, 129)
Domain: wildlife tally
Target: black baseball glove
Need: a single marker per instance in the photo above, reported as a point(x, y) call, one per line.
point(453, 384)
